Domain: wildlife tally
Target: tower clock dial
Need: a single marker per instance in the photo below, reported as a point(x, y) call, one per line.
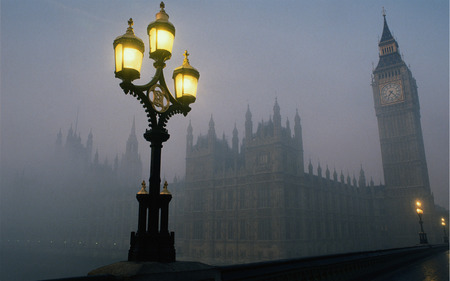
point(391, 93)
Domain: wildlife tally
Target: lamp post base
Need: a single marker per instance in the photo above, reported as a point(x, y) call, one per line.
point(423, 238)
point(156, 248)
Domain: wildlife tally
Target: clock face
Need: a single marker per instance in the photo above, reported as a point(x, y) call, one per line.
point(391, 93)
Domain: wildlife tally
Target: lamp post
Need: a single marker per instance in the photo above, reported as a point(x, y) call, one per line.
point(152, 241)
point(443, 228)
point(422, 235)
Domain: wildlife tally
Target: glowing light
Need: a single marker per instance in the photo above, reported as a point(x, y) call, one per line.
point(161, 39)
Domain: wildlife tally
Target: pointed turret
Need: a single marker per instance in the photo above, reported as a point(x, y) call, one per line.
point(298, 140)
point(388, 47)
point(386, 36)
point(89, 143)
point(310, 167)
point(69, 139)
point(211, 133)
point(189, 139)
point(211, 130)
point(276, 119)
point(59, 138)
point(297, 126)
point(235, 140)
point(248, 125)
point(132, 142)
point(130, 166)
point(362, 178)
point(288, 128)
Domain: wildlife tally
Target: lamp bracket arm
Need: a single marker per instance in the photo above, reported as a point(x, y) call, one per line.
point(157, 119)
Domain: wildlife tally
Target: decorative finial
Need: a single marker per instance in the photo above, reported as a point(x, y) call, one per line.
point(384, 12)
point(130, 26)
point(162, 15)
point(165, 190)
point(143, 191)
point(186, 60)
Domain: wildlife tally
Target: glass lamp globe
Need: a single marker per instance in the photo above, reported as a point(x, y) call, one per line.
point(128, 53)
point(186, 80)
point(161, 34)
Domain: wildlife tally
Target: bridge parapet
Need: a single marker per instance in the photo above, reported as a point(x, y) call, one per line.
point(352, 266)
point(348, 267)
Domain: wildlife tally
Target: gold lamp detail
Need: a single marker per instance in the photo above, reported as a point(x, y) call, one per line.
point(153, 241)
point(161, 34)
point(128, 53)
point(186, 78)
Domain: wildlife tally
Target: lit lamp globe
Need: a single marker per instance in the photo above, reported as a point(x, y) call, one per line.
point(161, 34)
point(185, 78)
point(128, 52)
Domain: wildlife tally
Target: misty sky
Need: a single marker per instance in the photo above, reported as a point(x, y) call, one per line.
point(315, 56)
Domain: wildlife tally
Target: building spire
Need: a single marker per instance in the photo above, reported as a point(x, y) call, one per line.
point(133, 127)
point(386, 36)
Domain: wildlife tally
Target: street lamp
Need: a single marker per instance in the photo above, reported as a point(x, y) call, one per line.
point(443, 227)
point(152, 241)
point(422, 235)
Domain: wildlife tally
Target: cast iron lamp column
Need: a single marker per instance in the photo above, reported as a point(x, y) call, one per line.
point(152, 241)
point(443, 228)
point(422, 235)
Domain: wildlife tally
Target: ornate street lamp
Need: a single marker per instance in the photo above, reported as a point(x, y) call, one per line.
point(422, 235)
point(152, 241)
point(443, 228)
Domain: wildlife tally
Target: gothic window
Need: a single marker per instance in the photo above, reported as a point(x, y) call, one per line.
point(242, 199)
point(243, 230)
point(263, 197)
point(230, 199)
point(198, 230)
point(219, 200)
point(263, 159)
point(231, 232)
point(264, 229)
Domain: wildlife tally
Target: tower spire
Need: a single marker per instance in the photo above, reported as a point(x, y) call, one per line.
point(386, 35)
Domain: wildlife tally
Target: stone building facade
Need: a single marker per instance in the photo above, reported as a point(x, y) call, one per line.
point(255, 202)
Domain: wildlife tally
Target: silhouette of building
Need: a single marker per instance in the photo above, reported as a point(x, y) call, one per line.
point(256, 202)
point(130, 170)
point(101, 192)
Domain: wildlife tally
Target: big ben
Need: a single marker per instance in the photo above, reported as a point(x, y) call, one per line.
point(402, 148)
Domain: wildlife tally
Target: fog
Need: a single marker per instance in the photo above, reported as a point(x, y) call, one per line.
point(57, 72)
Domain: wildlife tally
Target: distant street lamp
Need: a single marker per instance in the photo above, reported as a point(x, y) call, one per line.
point(443, 227)
point(422, 235)
point(152, 241)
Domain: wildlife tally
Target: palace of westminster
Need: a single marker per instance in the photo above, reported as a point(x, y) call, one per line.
point(255, 200)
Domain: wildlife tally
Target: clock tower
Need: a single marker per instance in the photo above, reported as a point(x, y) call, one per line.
point(402, 149)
